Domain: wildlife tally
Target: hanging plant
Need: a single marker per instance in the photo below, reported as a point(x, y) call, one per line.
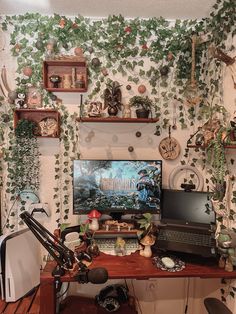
point(23, 161)
point(217, 161)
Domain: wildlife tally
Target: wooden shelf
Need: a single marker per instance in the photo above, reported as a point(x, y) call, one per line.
point(229, 146)
point(62, 69)
point(40, 116)
point(118, 120)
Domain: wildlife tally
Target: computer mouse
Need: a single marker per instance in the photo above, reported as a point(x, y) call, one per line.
point(168, 262)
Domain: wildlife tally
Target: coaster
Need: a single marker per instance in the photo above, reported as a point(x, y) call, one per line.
point(169, 263)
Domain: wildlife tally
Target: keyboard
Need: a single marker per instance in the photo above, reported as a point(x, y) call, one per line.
point(108, 245)
point(186, 237)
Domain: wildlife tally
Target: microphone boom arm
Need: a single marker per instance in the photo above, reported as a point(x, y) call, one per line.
point(63, 256)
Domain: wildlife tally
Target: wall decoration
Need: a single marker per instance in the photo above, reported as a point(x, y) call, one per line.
point(34, 98)
point(125, 47)
point(169, 148)
point(48, 127)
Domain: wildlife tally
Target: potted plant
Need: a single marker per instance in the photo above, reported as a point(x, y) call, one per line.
point(24, 159)
point(143, 105)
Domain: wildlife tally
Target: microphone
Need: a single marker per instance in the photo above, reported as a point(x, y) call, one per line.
point(96, 275)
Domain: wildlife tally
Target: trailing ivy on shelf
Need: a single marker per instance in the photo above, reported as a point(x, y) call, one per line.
point(69, 142)
point(23, 165)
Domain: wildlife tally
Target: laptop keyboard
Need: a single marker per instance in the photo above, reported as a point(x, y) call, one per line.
point(186, 237)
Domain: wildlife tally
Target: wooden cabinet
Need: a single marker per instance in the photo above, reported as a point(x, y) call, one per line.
point(65, 76)
point(48, 121)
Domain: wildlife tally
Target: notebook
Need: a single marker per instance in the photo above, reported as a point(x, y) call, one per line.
point(187, 223)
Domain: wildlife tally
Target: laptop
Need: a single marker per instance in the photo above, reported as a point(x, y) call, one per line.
point(187, 223)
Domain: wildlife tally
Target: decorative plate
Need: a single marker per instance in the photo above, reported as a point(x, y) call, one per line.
point(48, 127)
point(178, 264)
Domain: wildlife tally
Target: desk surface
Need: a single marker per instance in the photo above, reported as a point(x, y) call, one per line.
point(132, 266)
point(135, 266)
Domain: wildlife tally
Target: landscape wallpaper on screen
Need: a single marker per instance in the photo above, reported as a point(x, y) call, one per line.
point(116, 185)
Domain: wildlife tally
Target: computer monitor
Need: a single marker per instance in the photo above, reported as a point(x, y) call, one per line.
point(117, 187)
point(187, 208)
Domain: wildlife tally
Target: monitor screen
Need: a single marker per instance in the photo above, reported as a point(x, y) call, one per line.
point(125, 186)
point(189, 208)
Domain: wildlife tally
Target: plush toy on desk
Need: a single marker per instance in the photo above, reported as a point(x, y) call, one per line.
point(20, 101)
point(227, 248)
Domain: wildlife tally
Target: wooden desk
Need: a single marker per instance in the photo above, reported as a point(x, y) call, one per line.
point(132, 266)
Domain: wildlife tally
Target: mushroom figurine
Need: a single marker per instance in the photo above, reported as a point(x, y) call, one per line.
point(147, 242)
point(93, 216)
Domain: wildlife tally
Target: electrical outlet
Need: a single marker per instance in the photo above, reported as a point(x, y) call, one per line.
point(151, 285)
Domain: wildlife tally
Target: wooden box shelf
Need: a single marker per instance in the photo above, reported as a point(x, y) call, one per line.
point(75, 72)
point(48, 120)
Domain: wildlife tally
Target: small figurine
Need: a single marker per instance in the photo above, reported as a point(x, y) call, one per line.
point(126, 111)
point(112, 98)
point(20, 100)
point(120, 246)
point(94, 109)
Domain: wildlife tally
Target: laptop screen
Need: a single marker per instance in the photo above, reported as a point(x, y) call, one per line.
point(187, 208)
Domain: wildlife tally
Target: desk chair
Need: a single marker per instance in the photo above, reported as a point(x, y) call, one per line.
point(215, 306)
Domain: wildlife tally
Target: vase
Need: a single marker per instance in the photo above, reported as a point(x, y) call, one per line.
point(112, 111)
point(93, 249)
point(142, 113)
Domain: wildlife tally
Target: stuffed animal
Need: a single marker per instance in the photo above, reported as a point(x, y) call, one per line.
point(227, 248)
point(20, 100)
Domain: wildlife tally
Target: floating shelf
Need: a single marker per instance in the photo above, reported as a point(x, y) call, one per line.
point(62, 69)
point(48, 120)
point(118, 120)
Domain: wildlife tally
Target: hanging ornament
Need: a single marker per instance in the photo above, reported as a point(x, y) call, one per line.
point(170, 56)
point(75, 25)
point(90, 49)
point(142, 89)
point(164, 70)
point(128, 29)
point(27, 71)
point(144, 47)
point(169, 147)
point(78, 51)
point(192, 93)
point(96, 62)
point(17, 48)
point(39, 44)
point(62, 23)
point(104, 71)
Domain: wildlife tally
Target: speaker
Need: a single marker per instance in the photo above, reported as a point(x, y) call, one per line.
point(111, 297)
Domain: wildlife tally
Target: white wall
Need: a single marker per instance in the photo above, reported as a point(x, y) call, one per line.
point(161, 296)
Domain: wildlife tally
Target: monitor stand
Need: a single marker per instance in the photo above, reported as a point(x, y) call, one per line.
point(116, 215)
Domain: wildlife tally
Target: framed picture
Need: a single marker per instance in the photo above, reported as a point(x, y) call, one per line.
point(34, 98)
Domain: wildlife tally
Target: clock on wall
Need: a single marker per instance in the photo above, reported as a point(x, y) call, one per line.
point(29, 196)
